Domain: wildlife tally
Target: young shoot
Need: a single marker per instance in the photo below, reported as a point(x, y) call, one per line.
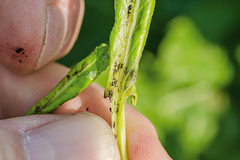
point(127, 41)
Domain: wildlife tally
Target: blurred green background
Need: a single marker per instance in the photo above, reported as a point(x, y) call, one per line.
point(189, 78)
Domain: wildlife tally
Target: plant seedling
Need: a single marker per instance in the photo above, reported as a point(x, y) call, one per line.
point(127, 41)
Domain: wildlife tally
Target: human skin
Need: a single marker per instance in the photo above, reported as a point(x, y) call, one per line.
point(19, 92)
point(35, 32)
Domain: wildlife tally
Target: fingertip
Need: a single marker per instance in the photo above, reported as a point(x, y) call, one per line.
point(27, 41)
point(91, 139)
point(144, 145)
point(63, 23)
point(75, 18)
point(142, 138)
point(21, 33)
point(55, 32)
point(57, 137)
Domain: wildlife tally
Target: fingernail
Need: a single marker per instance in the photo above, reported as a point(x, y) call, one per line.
point(56, 29)
point(83, 136)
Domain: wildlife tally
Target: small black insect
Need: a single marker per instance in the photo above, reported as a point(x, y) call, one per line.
point(18, 50)
point(129, 9)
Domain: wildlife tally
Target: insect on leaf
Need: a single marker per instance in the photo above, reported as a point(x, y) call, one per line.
point(77, 79)
point(127, 41)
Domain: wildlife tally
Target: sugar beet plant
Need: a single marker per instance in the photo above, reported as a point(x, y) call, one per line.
point(127, 41)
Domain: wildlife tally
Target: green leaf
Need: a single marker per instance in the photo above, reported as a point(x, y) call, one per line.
point(77, 79)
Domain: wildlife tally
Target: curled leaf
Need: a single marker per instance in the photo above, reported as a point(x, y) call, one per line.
point(77, 79)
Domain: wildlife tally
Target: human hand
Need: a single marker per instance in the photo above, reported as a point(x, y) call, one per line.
point(35, 32)
point(63, 135)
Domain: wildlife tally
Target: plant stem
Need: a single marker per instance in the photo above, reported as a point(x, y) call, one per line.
point(127, 41)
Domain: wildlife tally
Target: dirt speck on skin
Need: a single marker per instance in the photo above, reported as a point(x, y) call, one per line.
point(19, 53)
point(19, 50)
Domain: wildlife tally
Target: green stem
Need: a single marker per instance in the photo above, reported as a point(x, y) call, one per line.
point(119, 130)
point(127, 41)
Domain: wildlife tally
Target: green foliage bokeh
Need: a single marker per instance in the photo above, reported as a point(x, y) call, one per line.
point(189, 77)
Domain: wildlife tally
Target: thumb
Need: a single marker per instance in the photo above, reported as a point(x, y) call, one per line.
point(32, 33)
point(57, 137)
